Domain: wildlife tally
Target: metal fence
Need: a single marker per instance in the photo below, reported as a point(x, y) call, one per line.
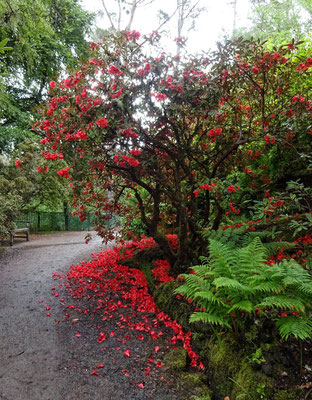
point(56, 221)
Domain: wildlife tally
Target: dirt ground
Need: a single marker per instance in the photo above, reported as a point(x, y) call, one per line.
point(41, 357)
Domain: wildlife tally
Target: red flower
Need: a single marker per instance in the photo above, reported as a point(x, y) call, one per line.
point(18, 164)
point(114, 70)
point(52, 84)
point(102, 122)
point(102, 337)
point(127, 353)
point(231, 189)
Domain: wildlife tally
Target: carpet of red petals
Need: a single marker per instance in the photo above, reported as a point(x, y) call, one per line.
point(116, 298)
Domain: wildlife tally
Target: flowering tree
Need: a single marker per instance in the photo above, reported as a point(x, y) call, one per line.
point(176, 136)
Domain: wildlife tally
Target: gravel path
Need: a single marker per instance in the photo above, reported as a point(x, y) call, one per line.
point(31, 349)
point(41, 356)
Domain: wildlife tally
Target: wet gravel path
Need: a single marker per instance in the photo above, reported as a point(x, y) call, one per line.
point(41, 355)
point(31, 349)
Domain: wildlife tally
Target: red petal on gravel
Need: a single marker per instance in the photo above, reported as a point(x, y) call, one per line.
point(127, 353)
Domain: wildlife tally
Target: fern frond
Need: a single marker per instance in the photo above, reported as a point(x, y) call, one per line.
point(207, 318)
point(243, 305)
point(251, 258)
point(208, 296)
point(201, 270)
point(274, 247)
point(221, 258)
point(305, 288)
point(231, 284)
point(282, 302)
point(266, 287)
point(299, 327)
point(192, 285)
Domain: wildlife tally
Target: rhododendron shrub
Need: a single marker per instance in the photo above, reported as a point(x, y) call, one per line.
point(174, 135)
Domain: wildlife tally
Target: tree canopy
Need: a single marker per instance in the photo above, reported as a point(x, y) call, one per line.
point(279, 20)
point(45, 37)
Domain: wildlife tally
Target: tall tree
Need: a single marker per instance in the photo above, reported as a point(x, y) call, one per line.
point(279, 20)
point(46, 35)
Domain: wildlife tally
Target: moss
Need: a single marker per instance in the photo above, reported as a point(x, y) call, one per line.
point(294, 394)
point(196, 383)
point(169, 304)
point(251, 385)
point(177, 358)
point(145, 267)
point(224, 364)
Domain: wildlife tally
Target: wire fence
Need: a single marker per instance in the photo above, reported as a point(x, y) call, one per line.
point(56, 221)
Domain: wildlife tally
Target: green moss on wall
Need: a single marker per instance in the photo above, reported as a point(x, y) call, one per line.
point(177, 359)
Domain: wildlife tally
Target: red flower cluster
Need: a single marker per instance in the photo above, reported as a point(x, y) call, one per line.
point(213, 133)
point(161, 272)
point(304, 66)
point(231, 189)
point(102, 122)
point(114, 70)
point(124, 160)
point(64, 172)
point(159, 96)
point(42, 169)
point(132, 35)
point(129, 133)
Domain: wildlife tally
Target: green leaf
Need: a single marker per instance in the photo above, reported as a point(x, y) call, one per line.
point(207, 318)
point(243, 305)
point(299, 327)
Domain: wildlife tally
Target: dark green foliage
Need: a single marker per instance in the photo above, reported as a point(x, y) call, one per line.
point(231, 284)
point(242, 237)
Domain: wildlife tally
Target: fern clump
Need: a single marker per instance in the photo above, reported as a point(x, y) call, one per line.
point(233, 284)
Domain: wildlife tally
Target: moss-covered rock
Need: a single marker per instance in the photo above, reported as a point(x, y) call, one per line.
point(251, 385)
point(167, 302)
point(197, 383)
point(224, 364)
point(177, 359)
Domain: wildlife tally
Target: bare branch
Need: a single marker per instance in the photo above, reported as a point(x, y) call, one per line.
point(132, 13)
point(108, 15)
point(119, 15)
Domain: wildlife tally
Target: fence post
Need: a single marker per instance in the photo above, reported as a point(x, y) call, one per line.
point(38, 221)
point(66, 215)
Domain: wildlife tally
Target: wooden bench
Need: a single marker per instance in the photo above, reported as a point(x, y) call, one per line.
point(15, 233)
